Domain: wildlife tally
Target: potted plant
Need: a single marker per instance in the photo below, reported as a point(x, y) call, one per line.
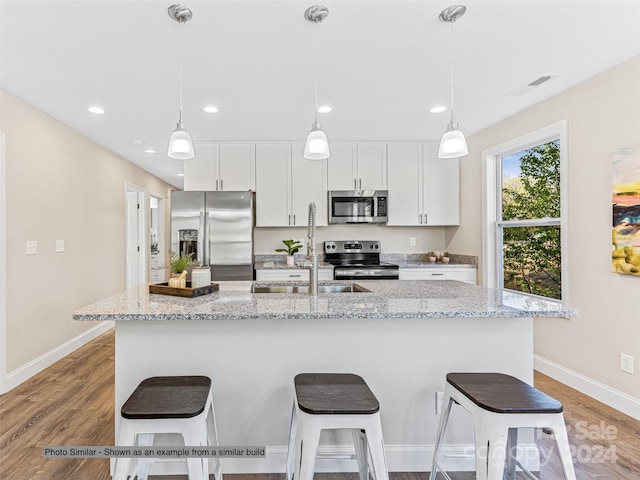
point(179, 263)
point(292, 247)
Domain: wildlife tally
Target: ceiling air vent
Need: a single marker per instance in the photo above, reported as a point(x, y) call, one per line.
point(541, 80)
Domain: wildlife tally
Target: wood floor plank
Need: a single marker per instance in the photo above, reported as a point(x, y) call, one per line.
point(71, 403)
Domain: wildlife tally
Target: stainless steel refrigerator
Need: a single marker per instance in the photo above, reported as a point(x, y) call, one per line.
point(217, 227)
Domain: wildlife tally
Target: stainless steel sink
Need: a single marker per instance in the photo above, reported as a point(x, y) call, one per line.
point(305, 289)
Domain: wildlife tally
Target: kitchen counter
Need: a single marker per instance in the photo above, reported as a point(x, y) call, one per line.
point(384, 299)
point(402, 337)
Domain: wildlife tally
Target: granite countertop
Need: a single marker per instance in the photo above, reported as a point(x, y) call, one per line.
point(384, 299)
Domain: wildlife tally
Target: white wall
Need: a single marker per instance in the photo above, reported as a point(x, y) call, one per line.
point(59, 186)
point(603, 114)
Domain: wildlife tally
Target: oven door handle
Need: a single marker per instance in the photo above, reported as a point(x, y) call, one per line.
point(378, 272)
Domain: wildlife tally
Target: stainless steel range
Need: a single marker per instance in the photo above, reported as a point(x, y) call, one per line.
point(358, 260)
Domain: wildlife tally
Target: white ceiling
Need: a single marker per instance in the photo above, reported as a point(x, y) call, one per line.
point(382, 65)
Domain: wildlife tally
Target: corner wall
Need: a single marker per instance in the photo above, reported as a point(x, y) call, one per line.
point(59, 186)
point(603, 114)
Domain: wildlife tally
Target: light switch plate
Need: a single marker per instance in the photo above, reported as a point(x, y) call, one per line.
point(59, 246)
point(32, 247)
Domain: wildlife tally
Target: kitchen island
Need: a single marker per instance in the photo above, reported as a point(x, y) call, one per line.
point(402, 337)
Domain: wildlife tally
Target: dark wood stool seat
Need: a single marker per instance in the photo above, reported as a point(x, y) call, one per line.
point(334, 394)
point(168, 397)
point(502, 393)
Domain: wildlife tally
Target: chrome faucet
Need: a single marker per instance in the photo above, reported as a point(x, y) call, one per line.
point(311, 251)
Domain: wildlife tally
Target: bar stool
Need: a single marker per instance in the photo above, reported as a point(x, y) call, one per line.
point(177, 404)
point(334, 401)
point(500, 404)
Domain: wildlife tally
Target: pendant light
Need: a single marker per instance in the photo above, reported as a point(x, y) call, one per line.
point(317, 145)
point(180, 144)
point(452, 143)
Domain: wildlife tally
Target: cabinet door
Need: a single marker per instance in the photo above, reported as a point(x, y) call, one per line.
point(201, 173)
point(405, 185)
point(308, 184)
point(441, 187)
point(466, 275)
point(237, 166)
point(273, 177)
point(342, 166)
point(372, 166)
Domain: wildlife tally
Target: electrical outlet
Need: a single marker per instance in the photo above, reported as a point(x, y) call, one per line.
point(59, 246)
point(626, 363)
point(439, 399)
point(32, 247)
point(412, 241)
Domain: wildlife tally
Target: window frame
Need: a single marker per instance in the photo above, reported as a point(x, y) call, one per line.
point(492, 224)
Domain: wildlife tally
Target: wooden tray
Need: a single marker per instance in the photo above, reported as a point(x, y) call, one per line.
point(165, 289)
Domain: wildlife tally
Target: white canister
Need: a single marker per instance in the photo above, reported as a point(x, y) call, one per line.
point(200, 277)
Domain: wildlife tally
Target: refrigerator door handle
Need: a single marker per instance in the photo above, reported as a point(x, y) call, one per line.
point(205, 229)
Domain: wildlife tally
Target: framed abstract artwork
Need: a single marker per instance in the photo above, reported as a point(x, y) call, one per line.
point(625, 236)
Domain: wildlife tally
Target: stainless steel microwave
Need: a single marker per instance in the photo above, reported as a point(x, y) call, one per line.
point(358, 206)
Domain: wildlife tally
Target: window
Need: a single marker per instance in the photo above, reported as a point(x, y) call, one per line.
point(525, 217)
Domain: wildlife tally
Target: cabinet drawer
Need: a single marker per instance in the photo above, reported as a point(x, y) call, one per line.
point(467, 275)
point(292, 274)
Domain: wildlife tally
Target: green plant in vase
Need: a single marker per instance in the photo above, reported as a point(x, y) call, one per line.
point(293, 246)
point(179, 263)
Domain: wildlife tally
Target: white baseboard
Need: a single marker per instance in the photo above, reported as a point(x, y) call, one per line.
point(609, 396)
point(25, 372)
point(400, 458)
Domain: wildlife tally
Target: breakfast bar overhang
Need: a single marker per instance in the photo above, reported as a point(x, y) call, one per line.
point(403, 337)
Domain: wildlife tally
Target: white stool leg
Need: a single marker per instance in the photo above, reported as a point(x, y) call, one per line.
point(362, 455)
point(447, 403)
point(292, 443)
point(482, 449)
point(562, 442)
point(142, 468)
point(308, 440)
point(126, 438)
point(512, 454)
point(195, 436)
point(212, 435)
point(376, 447)
point(496, 454)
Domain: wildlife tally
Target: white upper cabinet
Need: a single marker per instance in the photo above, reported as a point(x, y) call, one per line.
point(217, 167)
point(285, 185)
point(308, 184)
point(423, 189)
point(354, 166)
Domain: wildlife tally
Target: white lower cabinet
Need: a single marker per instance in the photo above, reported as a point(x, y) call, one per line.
point(285, 185)
point(292, 274)
point(466, 274)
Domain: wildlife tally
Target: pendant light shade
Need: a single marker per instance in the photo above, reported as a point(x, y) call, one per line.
point(317, 146)
point(180, 144)
point(452, 144)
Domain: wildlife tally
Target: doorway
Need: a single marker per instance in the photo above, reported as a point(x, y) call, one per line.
point(136, 273)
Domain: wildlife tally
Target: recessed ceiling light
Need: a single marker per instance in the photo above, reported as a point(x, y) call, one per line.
point(137, 142)
point(96, 110)
point(210, 109)
point(325, 109)
point(149, 150)
point(181, 174)
point(438, 109)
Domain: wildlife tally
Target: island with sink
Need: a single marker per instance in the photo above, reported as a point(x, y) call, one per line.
point(252, 338)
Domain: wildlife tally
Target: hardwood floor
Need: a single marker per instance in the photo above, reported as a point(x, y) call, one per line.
point(71, 403)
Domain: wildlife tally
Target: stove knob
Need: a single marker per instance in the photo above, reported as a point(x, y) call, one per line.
point(376, 247)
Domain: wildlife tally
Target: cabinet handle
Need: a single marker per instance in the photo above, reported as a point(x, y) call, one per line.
point(355, 183)
point(425, 219)
point(294, 218)
point(437, 274)
point(360, 184)
point(289, 219)
point(294, 275)
point(221, 184)
point(217, 185)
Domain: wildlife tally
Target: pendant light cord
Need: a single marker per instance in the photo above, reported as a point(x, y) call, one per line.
point(451, 47)
point(316, 67)
point(180, 66)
